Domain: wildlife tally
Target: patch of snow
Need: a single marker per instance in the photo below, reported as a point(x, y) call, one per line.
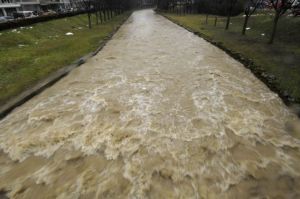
point(14, 30)
point(69, 33)
point(21, 45)
point(248, 28)
point(263, 34)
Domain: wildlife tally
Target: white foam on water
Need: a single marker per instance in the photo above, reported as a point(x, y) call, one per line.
point(158, 113)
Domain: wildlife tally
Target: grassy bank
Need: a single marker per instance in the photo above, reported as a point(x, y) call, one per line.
point(281, 61)
point(29, 54)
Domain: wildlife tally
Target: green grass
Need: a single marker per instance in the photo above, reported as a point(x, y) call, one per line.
point(30, 54)
point(282, 59)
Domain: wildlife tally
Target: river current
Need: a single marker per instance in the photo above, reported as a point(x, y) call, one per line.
point(158, 113)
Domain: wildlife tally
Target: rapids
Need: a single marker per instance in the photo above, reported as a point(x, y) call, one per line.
point(158, 113)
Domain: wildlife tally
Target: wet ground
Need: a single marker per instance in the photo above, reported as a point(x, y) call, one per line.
point(158, 113)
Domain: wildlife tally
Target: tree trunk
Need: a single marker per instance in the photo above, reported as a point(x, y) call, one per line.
point(216, 20)
point(97, 17)
point(174, 7)
point(100, 16)
point(229, 17)
point(245, 24)
point(104, 15)
point(89, 17)
point(277, 15)
point(107, 14)
point(206, 19)
point(228, 22)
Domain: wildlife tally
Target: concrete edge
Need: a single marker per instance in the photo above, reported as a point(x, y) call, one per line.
point(269, 80)
point(53, 78)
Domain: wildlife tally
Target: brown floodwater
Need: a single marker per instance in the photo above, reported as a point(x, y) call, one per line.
point(158, 113)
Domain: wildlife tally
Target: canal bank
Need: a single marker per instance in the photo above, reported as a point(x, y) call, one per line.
point(28, 87)
point(14, 100)
point(253, 52)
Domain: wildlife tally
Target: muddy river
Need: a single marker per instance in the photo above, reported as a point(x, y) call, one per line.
point(158, 113)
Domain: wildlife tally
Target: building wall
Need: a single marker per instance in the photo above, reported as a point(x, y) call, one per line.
point(2, 12)
point(31, 7)
point(7, 7)
point(10, 11)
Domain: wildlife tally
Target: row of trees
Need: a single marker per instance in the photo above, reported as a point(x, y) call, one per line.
point(103, 9)
point(280, 7)
point(229, 8)
point(198, 6)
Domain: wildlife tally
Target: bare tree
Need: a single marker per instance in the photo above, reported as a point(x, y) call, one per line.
point(206, 18)
point(88, 5)
point(230, 6)
point(210, 8)
point(250, 8)
point(163, 4)
point(216, 8)
point(98, 11)
point(280, 7)
point(84, 6)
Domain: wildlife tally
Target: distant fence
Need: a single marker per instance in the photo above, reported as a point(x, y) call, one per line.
point(29, 21)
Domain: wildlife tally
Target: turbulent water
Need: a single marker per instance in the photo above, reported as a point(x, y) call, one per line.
point(158, 113)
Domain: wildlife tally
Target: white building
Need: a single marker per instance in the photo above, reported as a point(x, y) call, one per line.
point(7, 7)
point(29, 5)
point(54, 4)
